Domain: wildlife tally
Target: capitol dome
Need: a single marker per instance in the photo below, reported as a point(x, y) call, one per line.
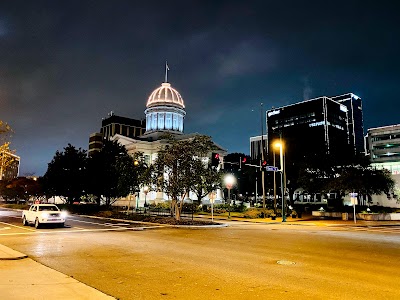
point(165, 95)
point(165, 110)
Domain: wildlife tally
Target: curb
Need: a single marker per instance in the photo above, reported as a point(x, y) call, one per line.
point(156, 225)
point(10, 254)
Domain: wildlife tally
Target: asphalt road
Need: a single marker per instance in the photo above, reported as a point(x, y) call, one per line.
point(242, 261)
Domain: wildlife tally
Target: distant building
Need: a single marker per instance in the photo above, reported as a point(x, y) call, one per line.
point(316, 130)
point(256, 148)
point(113, 125)
point(383, 148)
point(355, 122)
point(12, 170)
point(312, 129)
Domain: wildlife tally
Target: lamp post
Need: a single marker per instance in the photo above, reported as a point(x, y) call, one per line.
point(282, 170)
point(229, 182)
point(145, 191)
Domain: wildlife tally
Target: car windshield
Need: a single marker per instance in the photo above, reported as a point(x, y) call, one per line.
point(48, 208)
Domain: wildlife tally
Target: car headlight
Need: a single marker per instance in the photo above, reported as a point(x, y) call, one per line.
point(64, 214)
point(45, 215)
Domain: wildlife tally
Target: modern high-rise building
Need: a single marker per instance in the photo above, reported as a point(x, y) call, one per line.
point(311, 130)
point(256, 148)
point(354, 120)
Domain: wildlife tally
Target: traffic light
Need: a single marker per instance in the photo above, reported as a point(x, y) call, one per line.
point(263, 165)
point(215, 159)
point(242, 161)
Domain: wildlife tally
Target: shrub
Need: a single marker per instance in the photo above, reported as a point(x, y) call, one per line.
point(253, 213)
point(239, 208)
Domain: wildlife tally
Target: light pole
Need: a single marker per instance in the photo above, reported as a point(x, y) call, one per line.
point(282, 170)
point(229, 182)
point(145, 191)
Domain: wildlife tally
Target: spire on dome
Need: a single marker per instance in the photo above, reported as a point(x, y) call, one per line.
point(166, 71)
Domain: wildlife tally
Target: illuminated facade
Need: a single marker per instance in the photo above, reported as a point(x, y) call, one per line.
point(164, 114)
point(255, 146)
point(165, 110)
point(11, 170)
point(383, 148)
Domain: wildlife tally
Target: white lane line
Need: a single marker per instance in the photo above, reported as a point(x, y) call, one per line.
point(93, 223)
point(75, 231)
point(21, 227)
point(117, 224)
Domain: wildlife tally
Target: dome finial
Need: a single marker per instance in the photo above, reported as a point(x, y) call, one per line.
point(166, 71)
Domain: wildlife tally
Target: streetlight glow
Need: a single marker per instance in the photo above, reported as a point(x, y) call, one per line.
point(229, 180)
point(279, 144)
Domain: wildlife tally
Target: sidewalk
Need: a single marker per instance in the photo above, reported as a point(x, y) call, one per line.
point(306, 220)
point(23, 278)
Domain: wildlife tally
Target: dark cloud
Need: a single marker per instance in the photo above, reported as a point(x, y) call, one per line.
point(66, 64)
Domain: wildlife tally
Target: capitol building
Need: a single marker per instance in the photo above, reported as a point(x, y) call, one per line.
point(165, 113)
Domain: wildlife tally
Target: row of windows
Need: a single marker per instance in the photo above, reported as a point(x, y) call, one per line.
point(299, 119)
point(385, 146)
point(385, 137)
point(385, 155)
point(125, 130)
point(162, 121)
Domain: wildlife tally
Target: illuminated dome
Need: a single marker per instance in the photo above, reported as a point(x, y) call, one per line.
point(165, 95)
point(165, 110)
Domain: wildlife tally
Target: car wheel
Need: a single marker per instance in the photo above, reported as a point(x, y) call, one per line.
point(37, 224)
point(24, 221)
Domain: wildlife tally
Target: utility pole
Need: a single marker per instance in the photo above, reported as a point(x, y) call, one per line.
point(262, 155)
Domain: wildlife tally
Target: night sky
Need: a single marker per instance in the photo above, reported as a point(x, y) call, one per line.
point(64, 65)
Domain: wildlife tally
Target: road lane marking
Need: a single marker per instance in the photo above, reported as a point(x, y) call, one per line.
point(18, 226)
point(76, 231)
point(108, 224)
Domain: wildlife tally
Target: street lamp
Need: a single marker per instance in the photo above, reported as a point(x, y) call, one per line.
point(282, 170)
point(145, 191)
point(229, 182)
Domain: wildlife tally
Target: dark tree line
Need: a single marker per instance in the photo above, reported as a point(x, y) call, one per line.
point(110, 173)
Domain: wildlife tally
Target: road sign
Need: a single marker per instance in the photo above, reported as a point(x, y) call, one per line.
point(271, 168)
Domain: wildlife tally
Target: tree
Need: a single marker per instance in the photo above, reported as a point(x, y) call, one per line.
point(5, 158)
point(363, 180)
point(175, 167)
point(21, 188)
point(206, 179)
point(360, 178)
point(113, 173)
point(66, 174)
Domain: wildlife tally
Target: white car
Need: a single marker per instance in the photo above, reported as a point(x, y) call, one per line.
point(43, 214)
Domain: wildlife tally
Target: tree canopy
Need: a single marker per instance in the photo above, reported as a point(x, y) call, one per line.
point(66, 174)
point(113, 173)
point(179, 169)
point(5, 135)
point(362, 179)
